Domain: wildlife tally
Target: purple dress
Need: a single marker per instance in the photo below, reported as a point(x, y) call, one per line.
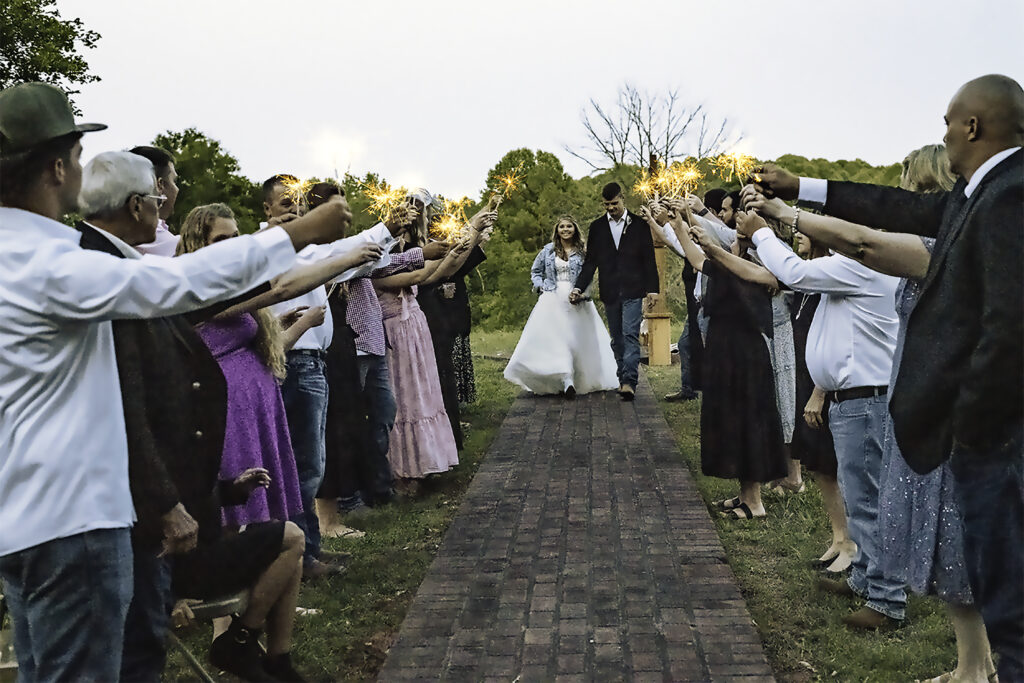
point(257, 429)
point(422, 441)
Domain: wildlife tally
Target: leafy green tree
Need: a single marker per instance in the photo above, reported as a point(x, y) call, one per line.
point(36, 44)
point(207, 173)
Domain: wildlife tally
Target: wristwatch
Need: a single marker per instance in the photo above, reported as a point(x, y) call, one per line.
point(703, 212)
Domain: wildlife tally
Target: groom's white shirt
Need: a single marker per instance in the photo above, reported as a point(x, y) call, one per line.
point(617, 227)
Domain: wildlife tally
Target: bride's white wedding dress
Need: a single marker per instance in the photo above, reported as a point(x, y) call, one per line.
point(563, 345)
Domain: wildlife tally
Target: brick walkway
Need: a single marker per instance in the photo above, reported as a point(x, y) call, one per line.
point(582, 551)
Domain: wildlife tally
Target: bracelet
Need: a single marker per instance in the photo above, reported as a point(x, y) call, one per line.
point(796, 219)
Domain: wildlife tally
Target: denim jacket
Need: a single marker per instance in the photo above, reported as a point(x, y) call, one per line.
point(543, 272)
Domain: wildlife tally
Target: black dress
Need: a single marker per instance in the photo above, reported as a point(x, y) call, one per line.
point(812, 447)
point(741, 435)
point(446, 308)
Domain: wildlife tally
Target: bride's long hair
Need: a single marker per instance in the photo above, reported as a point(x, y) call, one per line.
point(578, 243)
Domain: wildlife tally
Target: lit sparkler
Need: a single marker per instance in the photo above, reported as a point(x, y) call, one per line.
point(510, 182)
point(646, 186)
point(735, 164)
point(384, 199)
point(451, 221)
point(295, 190)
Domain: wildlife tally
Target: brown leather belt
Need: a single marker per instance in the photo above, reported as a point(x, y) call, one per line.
point(856, 392)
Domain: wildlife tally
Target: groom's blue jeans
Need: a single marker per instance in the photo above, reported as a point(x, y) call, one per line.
point(624, 318)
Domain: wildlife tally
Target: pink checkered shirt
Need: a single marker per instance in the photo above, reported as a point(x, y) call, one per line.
point(364, 315)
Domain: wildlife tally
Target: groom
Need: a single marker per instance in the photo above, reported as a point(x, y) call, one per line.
point(620, 246)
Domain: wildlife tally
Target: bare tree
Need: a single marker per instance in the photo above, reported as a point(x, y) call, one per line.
point(642, 124)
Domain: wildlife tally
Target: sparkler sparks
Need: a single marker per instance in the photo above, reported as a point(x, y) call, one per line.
point(676, 180)
point(384, 199)
point(449, 225)
point(295, 190)
point(735, 164)
point(510, 182)
point(646, 186)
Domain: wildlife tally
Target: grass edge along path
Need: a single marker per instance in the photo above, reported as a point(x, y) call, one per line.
point(800, 628)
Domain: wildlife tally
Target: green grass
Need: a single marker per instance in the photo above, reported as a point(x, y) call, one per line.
point(803, 637)
point(362, 610)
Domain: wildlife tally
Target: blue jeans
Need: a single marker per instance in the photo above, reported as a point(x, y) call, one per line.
point(149, 616)
point(305, 401)
point(624, 318)
point(68, 600)
point(381, 408)
point(702, 323)
point(858, 430)
point(990, 491)
point(685, 361)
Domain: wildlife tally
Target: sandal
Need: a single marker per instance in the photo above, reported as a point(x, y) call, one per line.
point(741, 511)
point(727, 504)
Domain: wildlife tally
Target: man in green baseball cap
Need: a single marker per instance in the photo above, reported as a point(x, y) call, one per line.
point(39, 143)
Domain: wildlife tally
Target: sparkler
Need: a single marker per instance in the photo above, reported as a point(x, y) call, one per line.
point(295, 190)
point(646, 186)
point(735, 164)
point(384, 199)
point(452, 219)
point(510, 182)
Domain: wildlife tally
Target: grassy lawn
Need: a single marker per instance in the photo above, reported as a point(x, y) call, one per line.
point(802, 634)
point(362, 610)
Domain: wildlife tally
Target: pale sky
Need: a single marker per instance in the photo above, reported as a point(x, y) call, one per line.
point(435, 92)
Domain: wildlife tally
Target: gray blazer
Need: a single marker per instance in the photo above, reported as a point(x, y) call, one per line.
point(543, 274)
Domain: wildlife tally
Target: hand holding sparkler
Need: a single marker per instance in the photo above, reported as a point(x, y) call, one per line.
point(435, 250)
point(281, 220)
point(400, 216)
point(772, 208)
point(749, 222)
point(699, 235)
point(774, 181)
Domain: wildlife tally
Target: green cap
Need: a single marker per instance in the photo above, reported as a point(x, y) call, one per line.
point(33, 113)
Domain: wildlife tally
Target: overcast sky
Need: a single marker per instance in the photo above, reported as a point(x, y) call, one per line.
point(435, 92)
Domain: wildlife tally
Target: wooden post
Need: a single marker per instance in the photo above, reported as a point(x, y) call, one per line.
point(659, 320)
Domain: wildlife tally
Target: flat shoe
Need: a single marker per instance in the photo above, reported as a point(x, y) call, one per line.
point(836, 588)
point(870, 620)
point(727, 504)
point(741, 511)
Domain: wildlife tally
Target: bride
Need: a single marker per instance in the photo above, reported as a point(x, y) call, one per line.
point(564, 348)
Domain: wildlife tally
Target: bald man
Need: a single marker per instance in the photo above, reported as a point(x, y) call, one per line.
point(960, 389)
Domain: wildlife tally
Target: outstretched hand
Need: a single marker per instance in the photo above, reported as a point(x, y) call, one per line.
point(749, 222)
point(775, 181)
point(773, 208)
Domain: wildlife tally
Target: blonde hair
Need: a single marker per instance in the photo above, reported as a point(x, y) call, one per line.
point(578, 243)
point(195, 234)
point(927, 170)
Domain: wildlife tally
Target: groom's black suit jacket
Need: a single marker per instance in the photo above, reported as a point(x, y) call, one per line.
point(962, 370)
point(629, 272)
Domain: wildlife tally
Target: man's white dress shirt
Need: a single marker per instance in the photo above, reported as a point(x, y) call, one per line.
point(722, 233)
point(617, 227)
point(319, 338)
point(63, 449)
point(853, 333)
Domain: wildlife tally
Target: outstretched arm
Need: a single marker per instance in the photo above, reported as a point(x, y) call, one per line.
point(892, 253)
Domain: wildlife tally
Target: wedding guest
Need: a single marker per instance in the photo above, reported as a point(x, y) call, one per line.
point(963, 399)
point(625, 259)
point(741, 434)
point(812, 444)
point(691, 342)
point(165, 242)
point(919, 526)
point(305, 390)
point(423, 442)
point(849, 355)
point(445, 305)
point(56, 436)
point(564, 348)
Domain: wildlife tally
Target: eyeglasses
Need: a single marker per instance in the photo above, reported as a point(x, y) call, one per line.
point(160, 198)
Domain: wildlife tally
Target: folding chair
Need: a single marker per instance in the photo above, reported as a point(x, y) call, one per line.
point(208, 610)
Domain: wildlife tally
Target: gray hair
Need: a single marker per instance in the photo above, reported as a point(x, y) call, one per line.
point(110, 178)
